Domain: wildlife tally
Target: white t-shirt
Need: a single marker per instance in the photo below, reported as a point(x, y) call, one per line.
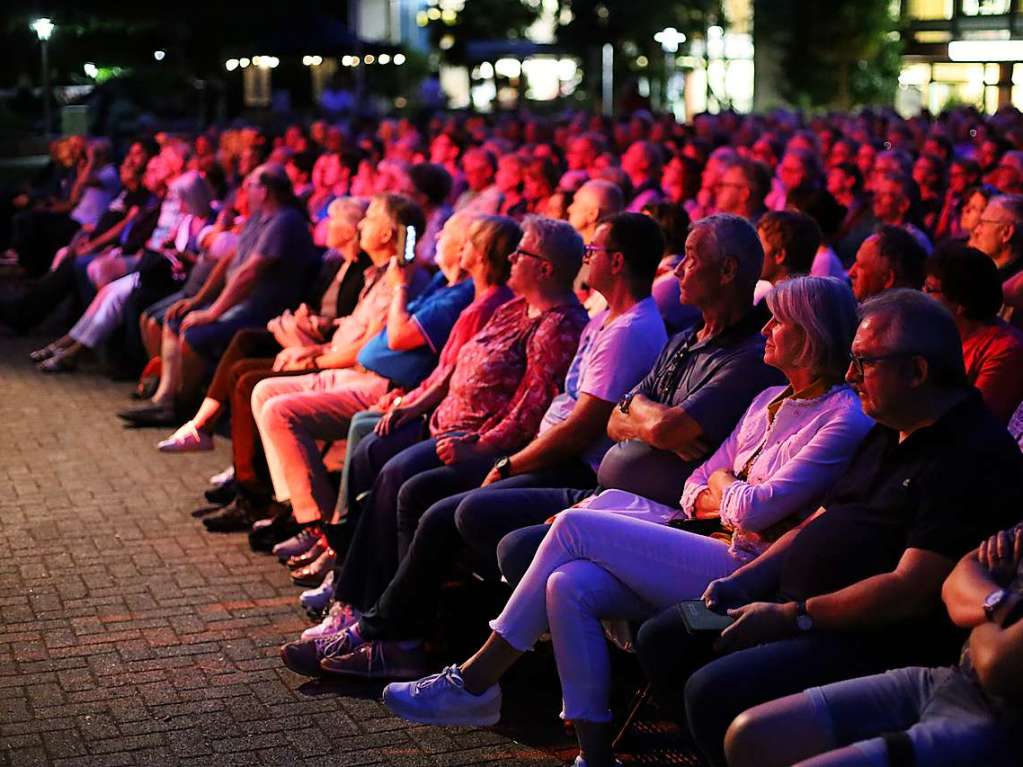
point(610, 361)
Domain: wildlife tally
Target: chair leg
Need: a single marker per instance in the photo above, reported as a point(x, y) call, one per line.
point(638, 700)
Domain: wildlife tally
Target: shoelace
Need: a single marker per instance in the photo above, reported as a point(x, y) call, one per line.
point(337, 644)
point(437, 683)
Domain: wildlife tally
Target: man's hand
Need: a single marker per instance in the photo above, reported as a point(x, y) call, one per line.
point(492, 476)
point(457, 448)
point(757, 623)
point(198, 317)
point(693, 451)
point(179, 309)
point(295, 358)
point(1000, 554)
point(724, 593)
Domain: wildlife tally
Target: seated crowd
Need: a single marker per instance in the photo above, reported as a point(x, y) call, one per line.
point(743, 396)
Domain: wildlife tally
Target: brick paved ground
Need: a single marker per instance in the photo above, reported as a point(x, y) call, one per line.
point(129, 636)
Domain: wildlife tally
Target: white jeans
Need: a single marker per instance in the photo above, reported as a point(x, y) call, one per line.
point(595, 564)
point(105, 312)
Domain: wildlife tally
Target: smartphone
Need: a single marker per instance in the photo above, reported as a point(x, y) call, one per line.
point(700, 619)
point(407, 245)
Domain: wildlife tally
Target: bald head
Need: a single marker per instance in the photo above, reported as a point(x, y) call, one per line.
point(594, 200)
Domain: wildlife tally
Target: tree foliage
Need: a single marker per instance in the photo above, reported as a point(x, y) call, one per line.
point(840, 54)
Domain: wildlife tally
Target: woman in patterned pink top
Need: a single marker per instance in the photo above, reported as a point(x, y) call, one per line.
point(502, 383)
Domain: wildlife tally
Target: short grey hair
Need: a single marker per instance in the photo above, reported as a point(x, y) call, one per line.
point(350, 209)
point(195, 193)
point(734, 237)
point(826, 310)
point(560, 243)
point(608, 194)
point(916, 324)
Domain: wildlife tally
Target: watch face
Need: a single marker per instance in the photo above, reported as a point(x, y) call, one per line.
point(994, 599)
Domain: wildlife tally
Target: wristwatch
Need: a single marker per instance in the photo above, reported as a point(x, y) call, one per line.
point(503, 466)
point(624, 402)
point(993, 601)
point(803, 620)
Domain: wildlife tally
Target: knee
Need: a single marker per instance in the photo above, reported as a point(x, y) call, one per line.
point(259, 394)
point(516, 550)
point(409, 498)
point(467, 516)
point(744, 740)
point(277, 412)
point(564, 592)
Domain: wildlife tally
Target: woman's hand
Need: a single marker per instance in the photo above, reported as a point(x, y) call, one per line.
point(296, 358)
point(458, 448)
point(179, 309)
point(198, 317)
point(394, 420)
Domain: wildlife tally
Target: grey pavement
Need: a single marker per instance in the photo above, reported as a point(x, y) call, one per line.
point(130, 636)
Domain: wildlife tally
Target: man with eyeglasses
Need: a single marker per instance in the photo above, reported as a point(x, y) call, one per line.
point(999, 234)
point(856, 589)
point(742, 189)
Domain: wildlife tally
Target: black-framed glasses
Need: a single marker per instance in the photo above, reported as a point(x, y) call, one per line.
point(858, 361)
point(520, 252)
point(590, 250)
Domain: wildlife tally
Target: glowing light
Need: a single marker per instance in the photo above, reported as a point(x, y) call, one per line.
point(231, 64)
point(369, 58)
point(399, 59)
point(384, 58)
point(43, 28)
point(159, 55)
point(243, 62)
point(91, 70)
point(642, 61)
point(670, 39)
point(986, 50)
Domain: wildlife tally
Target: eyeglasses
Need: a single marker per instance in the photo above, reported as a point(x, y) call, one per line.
point(590, 250)
point(994, 221)
point(520, 252)
point(858, 361)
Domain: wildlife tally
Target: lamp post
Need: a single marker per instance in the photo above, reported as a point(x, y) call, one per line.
point(43, 28)
point(670, 39)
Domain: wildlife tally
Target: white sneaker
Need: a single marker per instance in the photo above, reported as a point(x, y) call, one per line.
point(315, 600)
point(221, 479)
point(340, 616)
point(442, 699)
point(187, 439)
point(580, 762)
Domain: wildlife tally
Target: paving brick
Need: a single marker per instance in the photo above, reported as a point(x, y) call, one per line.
point(129, 636)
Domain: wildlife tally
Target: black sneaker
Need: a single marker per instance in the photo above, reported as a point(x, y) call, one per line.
point(222, 494)
point(267, 533)
point(236, 517)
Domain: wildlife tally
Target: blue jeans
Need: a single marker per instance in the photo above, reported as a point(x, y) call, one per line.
point(939, 715)
point(722, 689)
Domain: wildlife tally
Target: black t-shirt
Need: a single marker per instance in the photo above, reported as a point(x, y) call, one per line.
point(946, 488)
point(120, 206)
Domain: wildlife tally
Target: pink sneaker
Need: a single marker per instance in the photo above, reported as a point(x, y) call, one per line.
point(340, 616)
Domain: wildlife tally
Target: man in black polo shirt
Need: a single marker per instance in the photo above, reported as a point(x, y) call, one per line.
point(857, 589)
point(679, 413)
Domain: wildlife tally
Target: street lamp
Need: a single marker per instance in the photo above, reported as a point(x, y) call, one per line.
point(43, 28)
point(670, 39)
